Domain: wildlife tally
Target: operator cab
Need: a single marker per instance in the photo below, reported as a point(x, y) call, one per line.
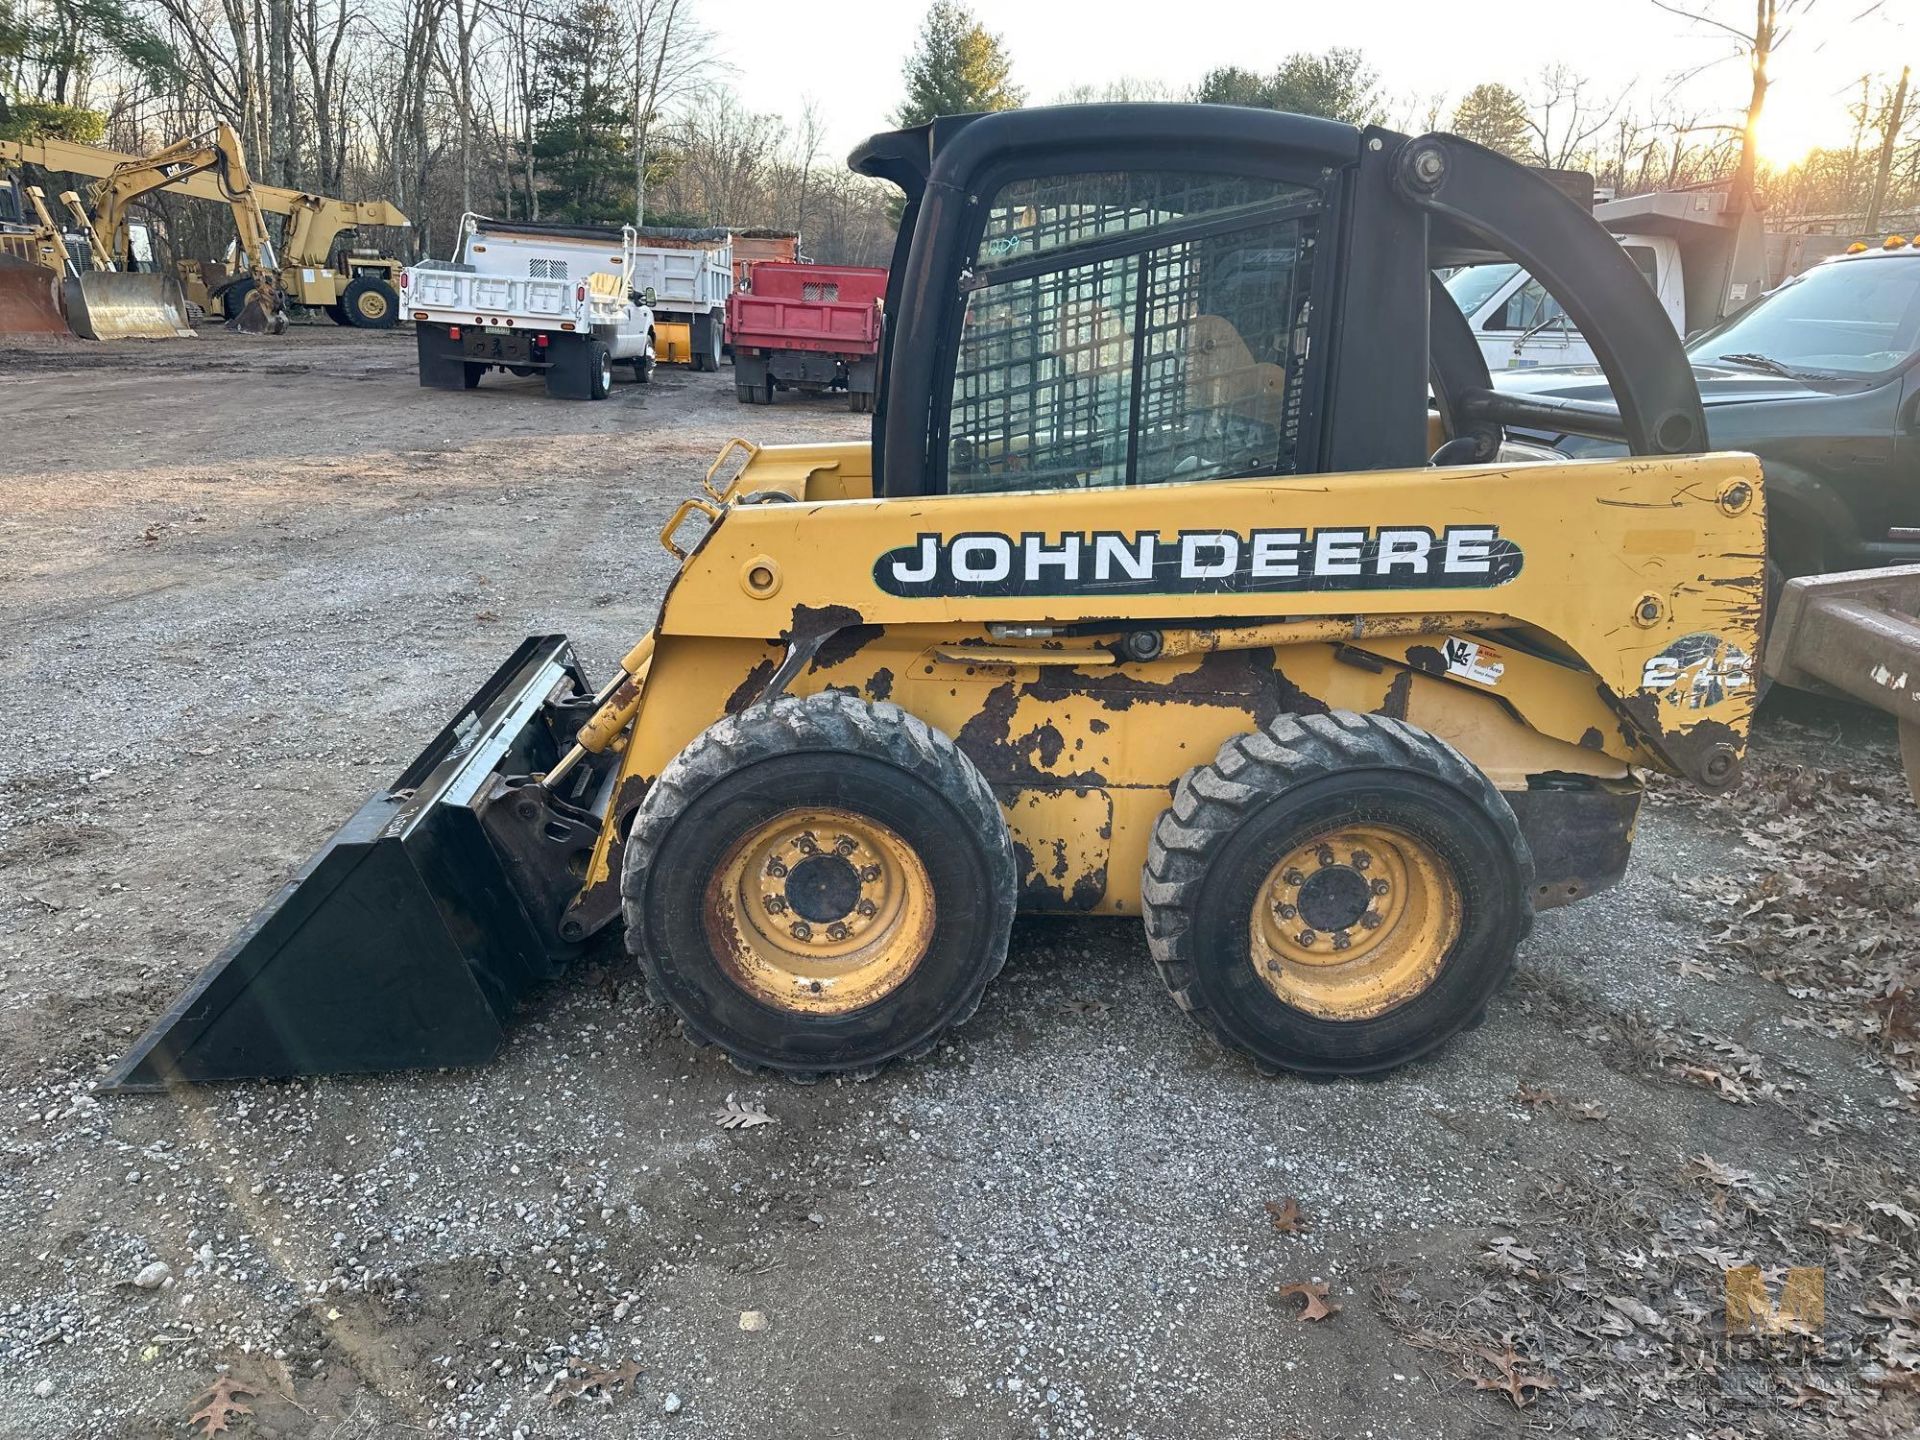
point(1136, 294)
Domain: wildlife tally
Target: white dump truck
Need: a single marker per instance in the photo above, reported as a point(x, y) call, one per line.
point(1702, 261)
point(691, 272)
point(565, 301)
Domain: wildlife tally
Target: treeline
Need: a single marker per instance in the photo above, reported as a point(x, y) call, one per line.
point(606, 110)
point(577, 110)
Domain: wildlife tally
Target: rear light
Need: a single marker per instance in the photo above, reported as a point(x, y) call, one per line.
point(453, 332)
point(566, 324)
point(403, 279)
point(419, 314)
point(579, 293)
point(541, 341)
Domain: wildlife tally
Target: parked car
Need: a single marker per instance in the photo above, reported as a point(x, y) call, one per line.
point(1821, 379)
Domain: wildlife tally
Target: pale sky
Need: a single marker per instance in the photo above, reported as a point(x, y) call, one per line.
point(847, 54)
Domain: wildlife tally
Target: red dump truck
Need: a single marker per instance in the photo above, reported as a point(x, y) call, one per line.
point(811, 328)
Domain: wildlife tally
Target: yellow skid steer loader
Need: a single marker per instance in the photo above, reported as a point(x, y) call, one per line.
point(1187, 576)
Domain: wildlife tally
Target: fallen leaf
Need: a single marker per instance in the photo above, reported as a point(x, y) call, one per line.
point(1642, 1315)
point(1314, 1294)
point(1287, 1217)
point(1590, 1112)
point(1534, 1094)
point(1510, 1255)
point(1512, 1381)
point(595, 1380)
point(219, 1405)
point(736, 1116)
point(1887, 1207)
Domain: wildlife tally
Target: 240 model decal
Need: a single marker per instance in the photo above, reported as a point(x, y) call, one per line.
point(1202, 562)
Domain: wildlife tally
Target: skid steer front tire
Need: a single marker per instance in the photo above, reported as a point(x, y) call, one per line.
point(819, 886)
point(1337, 895)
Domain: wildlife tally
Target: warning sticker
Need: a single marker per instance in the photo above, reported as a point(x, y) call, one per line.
point(1474, 660)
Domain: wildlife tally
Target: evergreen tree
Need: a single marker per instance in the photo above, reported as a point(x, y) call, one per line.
point(1337, 84)
point(581, 145)
point(1494, 116)
point(958, 66)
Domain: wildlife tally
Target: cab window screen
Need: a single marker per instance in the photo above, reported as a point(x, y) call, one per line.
point(1132, 329)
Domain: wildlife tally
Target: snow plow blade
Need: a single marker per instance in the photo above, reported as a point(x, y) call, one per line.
point(29, 299)
point(404, 943)
point(109, 305)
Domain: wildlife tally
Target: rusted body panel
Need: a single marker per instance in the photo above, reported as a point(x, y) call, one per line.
point(1617, 632)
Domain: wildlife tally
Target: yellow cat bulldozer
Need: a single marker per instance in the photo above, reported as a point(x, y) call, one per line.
point(1187, 576)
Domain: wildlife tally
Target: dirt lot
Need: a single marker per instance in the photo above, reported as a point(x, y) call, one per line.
point(241, 580)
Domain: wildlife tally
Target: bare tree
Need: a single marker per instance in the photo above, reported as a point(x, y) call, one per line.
point(667, 52)
point(1565, 116)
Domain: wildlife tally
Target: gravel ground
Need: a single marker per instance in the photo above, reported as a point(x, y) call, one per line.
point(243, 579)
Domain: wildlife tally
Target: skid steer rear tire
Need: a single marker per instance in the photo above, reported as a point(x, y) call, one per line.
point(775, 831)
point(1427, 888)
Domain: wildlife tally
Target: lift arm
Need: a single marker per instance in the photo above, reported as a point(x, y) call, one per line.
point(314, 222)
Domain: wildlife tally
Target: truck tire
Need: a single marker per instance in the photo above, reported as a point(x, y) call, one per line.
point(860, 402)
point(643, 370)
point(1325, 837)
point(705, 338)
point(837, 888)
point(337, 313)
point(233, 299)
point(371, 303)
point(599, 369)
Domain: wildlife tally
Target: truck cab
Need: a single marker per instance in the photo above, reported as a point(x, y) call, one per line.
point(1702, 261)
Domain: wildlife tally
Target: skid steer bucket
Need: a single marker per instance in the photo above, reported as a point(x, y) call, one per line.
point(29, 299)
point(404, 942)
point(110, 305)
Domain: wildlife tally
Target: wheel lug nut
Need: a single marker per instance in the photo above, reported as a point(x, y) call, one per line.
point(1380, 887)
point(1341, 939)
point(843, 846)
point(1307, 937)
point(1285, 912)
point(806, 844)
point(838, 930)
point(870, 873)
point(1324, 854)
point(1371, 920)
point(1361, 860)
point(865, 909)
point(777, 869)
point(1294, 877)
point(776, 905)
point(801, 930)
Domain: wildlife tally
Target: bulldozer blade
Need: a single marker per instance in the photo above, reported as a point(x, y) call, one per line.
point(29, 299)
point(110, 305)
point(403, 943)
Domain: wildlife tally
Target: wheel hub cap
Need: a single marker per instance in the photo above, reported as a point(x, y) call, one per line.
point(820, 911)
point(1354, 921)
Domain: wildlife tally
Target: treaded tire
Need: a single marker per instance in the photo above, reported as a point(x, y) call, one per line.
point(1264, 794)
point(829, 750)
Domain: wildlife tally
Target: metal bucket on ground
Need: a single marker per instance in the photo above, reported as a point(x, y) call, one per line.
point(112, 305)
point(407, 940)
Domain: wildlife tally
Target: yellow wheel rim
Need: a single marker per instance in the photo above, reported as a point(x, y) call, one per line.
point(373, 304)
point(1354, 922)
point(820, 911)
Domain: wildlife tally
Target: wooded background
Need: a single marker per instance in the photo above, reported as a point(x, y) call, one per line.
point(607, 109)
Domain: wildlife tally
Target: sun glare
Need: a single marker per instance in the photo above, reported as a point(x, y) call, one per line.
point(1785, 139)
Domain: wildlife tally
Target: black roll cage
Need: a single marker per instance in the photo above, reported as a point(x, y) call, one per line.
point(1396, 207)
